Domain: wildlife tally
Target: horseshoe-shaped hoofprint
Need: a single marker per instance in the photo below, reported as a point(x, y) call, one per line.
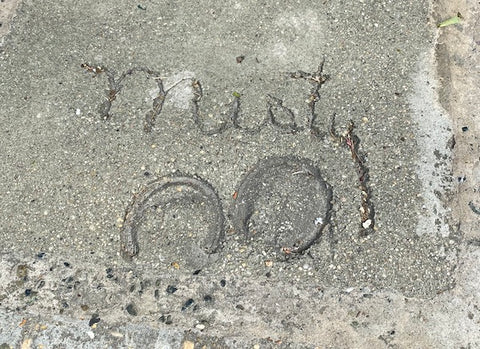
point(139, 203)
point(301, 180)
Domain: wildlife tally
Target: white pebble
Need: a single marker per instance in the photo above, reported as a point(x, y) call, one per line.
point(367, 223)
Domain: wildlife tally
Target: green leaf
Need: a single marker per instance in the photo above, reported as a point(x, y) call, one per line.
point(452, 20)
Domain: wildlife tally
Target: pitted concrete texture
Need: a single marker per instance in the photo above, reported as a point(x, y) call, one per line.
point(237, 175)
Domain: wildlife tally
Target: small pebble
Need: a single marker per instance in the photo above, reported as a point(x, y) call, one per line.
point(367, 224)
point(109, 273)
point(167, 320)
point(188, 345)
point(187, 304)
point(200, 327)
point(116, 334)
point(131, 309)
point(94, 320)
point(171, 289)
point(465, 128)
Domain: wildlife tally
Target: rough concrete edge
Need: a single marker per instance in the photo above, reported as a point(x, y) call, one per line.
point(432, 122)
point(8, 11)
point(455, 310)
point(457, 86)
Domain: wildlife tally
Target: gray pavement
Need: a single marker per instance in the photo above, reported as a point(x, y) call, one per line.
point(226, 175)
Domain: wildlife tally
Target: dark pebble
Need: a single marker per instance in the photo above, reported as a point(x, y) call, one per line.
point(167, 320)
point(28, 292)
point(145, 284)
point(95, 319)
point(465, 128)
point(66, 264)
point(207, 298)
point(41, 255)
point(131, 309)
point(65, 305)
point(240, 307)
point(146, 173)
point(268, 274)
point(196, 272)
point(187, 304)
point(171, 289)
point(223, 282)
point(156, 294)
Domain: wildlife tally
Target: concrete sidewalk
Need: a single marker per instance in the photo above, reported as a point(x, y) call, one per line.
point(233, 175)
